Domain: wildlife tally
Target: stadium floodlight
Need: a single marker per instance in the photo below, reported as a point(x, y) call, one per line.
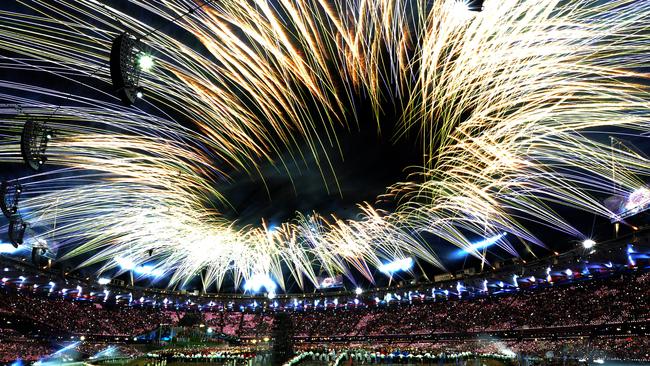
point(485, 243)
point(256, 282)
point(588, 244)
point(125, 263)
point(9, 197)
point(104, 281)
point(128, 60)
point(358, 291)
point(148, 270)
point(16, 230)
point(8, 249)
point(145, 62)
point(33, 143)
point(397, 265)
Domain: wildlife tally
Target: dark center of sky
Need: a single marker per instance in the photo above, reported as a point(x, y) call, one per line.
point(369, 164)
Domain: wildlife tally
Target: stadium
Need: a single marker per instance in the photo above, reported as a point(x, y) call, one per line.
point(324, 182)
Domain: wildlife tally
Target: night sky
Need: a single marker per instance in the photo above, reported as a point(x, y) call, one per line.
point(371, 161)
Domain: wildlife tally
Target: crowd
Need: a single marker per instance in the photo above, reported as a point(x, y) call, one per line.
point(605, 348)
point(247, 325)
point(23, 348)
point(620, 299)
point(616, 300)
point(68, 317)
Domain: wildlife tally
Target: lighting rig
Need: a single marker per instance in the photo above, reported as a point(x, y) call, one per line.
point(17, 229)
point(33, 143)
point(9, 198)
point(129, 57)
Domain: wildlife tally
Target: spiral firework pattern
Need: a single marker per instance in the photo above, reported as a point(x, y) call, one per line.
point(506, 103)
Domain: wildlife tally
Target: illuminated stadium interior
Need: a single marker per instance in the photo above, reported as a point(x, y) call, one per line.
point(324, 182)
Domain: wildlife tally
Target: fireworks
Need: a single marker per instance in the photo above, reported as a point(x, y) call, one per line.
point(508, 102)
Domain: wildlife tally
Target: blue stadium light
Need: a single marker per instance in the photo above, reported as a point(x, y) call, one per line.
point(148, 270)
point(107, 352)
point(485, 243)
point(397, 265)
point(125, 263)
point(259, 281)
point(474, 247)
point(66, 349)
point(6, 248)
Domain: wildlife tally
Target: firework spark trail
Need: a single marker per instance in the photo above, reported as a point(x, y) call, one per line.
point(504, 101)
point(532, 86)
